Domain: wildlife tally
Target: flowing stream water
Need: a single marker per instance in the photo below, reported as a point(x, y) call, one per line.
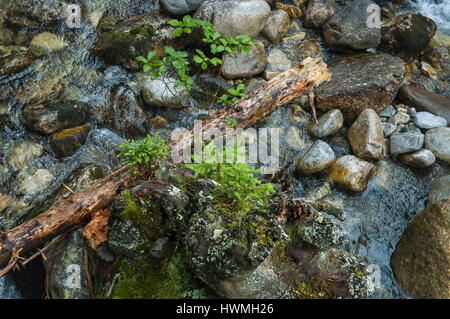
point(375, 219)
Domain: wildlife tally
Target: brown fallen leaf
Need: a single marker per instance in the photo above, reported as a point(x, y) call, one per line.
point(96, 232)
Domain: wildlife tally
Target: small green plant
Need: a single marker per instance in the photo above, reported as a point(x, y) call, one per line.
point(238, 190)
point(177, 61)
point(230, 122)
point(235, 95)
point(136, 153)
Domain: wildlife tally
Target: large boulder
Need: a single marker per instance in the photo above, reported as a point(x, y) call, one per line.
point(407, 35)
point(348, 28)
point(361, 81)
point(421, 260)
point(366, 135)
point(50, 118)
point(235, 17)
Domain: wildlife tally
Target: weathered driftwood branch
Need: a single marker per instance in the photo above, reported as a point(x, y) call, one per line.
point(78, 208)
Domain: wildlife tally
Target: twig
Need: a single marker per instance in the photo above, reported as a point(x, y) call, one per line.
point(312, 105)
point(12, 262)
point(68, 188)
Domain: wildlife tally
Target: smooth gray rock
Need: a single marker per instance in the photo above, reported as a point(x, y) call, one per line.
point(406, 142)
point(440, 189)
point(277, 25)
point(162, 92)
point(180, 7)
point(388, 111)
point(328, 124)
point(348, 28)
point(244, 65)
point(420, 159)
point(278, 61)
point(388, 129)
point(235, 17)
point(437, 140)
point(428, 121)
point(319, 157)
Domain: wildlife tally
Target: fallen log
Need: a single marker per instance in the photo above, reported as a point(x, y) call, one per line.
point(77, 209)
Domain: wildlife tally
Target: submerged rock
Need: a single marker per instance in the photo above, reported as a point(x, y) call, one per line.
point(424, 100)
point(361, 81)
point(45, 43)
point(437, 140)
point(420, 159)
point(68, 141)
point(318, 157)
point(33, 181)
point(348, 28)
point(318, 12)
point(5, 201)
point(421, 260)
point(50, 118)
point(277, 25)
point(235, 17)
point(439, 189)
point(328, 124)
point(407, 34)
point(163, 93)
point(244, 65)
point(352, 172)
point(366, 135)
point(23, 153)
point(14, 59)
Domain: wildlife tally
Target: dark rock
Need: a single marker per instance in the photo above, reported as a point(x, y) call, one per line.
point(424, 100)
point(421, 260)
point(14, 59)
point(180, 7)
point(407, 35)
point(50, 118)
point(235, 17)
point(68, 141)
point(359, 82)
point(348, 29)
point(208, 87)
point(318, 12)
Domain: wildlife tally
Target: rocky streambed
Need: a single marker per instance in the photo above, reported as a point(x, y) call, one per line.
point(365, 185)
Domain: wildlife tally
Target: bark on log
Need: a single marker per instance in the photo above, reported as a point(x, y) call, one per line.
point(77, 209)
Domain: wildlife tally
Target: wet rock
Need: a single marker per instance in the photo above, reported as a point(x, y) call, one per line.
point(220, 252)
point(428, 121)
point(5, 201)
point(68, 141)
point(163, 93)
point(50, 118)
point(352, 172)
point(319, 12)
point(323, 234)
point(439, 189)
point(437, 140)
point(45, 89)
point(424, 100)
point(328, 124)
point(399, 118)
point(319, 157)
point(421, 260)
point(244, 65)
point(366, 135)
point(14, 59)
point(348, 29)
point(294, 39)
point(277, 25)
point(420, 159)
point(388, 111)
point(65, 267)
point(120, 41)
point(388, 129)
point(23, 153)
point(405, 142)
point(234, 17)
point(359, 82)
point(180, 7)
point(207, 87)
point(278, 61)
point(160, 247)
point(407, 35)
point(43, 14)
point(45, 43)
point(310, 48)
point(32, 181)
